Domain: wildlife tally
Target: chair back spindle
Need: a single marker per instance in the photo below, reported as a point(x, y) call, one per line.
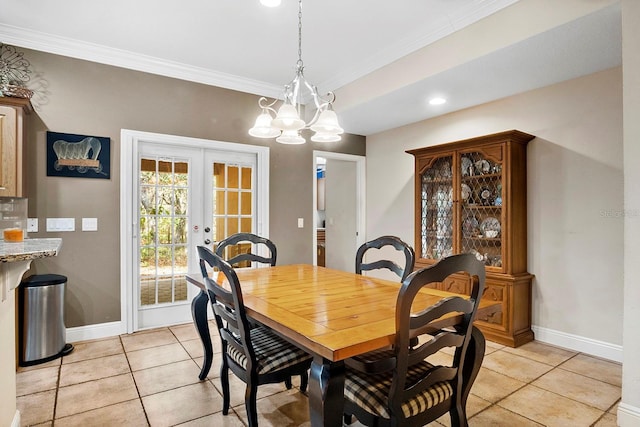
point(237, 250)
point(402, 271)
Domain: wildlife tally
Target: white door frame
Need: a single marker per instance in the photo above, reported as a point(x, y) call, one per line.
point(129, 140)
point(361, 177)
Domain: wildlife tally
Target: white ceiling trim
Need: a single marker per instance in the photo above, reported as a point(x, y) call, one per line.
point(121, 58)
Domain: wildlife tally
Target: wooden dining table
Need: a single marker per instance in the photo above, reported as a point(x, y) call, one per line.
point(332, 314)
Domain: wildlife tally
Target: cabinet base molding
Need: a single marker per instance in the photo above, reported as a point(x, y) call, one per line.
point(508, 340)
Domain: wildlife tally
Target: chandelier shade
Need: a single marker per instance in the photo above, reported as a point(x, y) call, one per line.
point(288, 119)
point(262, 128)
point(286, 123)
point(325, 137)
point(327, 123)
point(291, 137)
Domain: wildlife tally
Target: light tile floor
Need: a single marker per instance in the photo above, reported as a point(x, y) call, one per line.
point(150, 378)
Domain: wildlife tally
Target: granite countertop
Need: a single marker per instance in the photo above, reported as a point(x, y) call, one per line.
point(29, 249)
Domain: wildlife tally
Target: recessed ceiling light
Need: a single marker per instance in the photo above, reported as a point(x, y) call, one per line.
point(270, 3)
point(437, 101)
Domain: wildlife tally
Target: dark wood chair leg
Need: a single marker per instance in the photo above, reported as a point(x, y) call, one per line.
point(458, 416)
point(304, 381)
point(473, 362)
point(251, 404)
point(288, 383)
point(199, 314)
point(226, 394)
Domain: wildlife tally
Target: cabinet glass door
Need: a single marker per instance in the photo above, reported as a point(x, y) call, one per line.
point(481, 216)
point(437, 209)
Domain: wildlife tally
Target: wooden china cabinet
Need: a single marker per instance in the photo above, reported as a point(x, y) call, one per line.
point(471, 196)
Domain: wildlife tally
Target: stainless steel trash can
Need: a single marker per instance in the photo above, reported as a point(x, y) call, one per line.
point(42, 333)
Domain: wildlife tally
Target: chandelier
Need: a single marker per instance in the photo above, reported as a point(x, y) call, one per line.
point(285, 124)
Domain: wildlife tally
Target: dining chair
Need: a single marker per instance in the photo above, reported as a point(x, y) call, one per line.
point(398, 386)
point(255, 354)
point(236, 249)
point(402, 271)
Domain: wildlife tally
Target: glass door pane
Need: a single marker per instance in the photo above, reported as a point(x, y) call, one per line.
point(437, 209)
point(163, 213)
point(481, 203)
point(232, 207)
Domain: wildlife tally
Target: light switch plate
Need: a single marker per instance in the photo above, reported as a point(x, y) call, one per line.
point(61, 224)
point(300, 222)
point(32, 225)
point(89, 224)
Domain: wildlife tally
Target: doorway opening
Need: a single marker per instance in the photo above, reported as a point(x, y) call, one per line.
point(340, 190)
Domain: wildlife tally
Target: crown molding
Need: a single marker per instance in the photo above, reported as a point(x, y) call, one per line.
point(125, 59)
point(122, 58)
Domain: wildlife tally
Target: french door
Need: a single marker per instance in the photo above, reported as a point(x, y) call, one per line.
point(183, 197)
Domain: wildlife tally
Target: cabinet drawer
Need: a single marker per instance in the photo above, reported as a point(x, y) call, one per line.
point(495, 319)
point(459, 285)
point(494, 293)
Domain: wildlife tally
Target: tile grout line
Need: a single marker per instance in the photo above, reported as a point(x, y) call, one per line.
point(206, 379)
point(55, 400)
point(530, 383)
point(605, 413)
point(135, 383)
point(506, 409)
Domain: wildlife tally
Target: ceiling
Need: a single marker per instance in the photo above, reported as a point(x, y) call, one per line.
point(242, 45)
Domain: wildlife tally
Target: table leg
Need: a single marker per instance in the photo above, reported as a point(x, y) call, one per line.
point(326, 392)
point(199, 315)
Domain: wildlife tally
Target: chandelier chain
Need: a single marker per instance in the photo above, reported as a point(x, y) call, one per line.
point(300, 32)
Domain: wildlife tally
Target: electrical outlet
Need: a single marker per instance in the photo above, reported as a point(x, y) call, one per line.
point(300, 222)
point(32, 225)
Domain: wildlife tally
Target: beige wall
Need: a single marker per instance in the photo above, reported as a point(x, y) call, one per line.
point(92, 99)
point(575, 194)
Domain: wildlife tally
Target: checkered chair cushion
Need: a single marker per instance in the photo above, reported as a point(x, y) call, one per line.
point(371, 391)
point(273, 353)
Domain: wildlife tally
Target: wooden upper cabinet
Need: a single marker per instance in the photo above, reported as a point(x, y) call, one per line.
point(12, 146)
point(470, 197)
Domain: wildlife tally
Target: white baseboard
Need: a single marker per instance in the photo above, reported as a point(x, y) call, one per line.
point(589, 346)
point(550, 336)
point(628, 416)
point(94, 332)
point(16, 419)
